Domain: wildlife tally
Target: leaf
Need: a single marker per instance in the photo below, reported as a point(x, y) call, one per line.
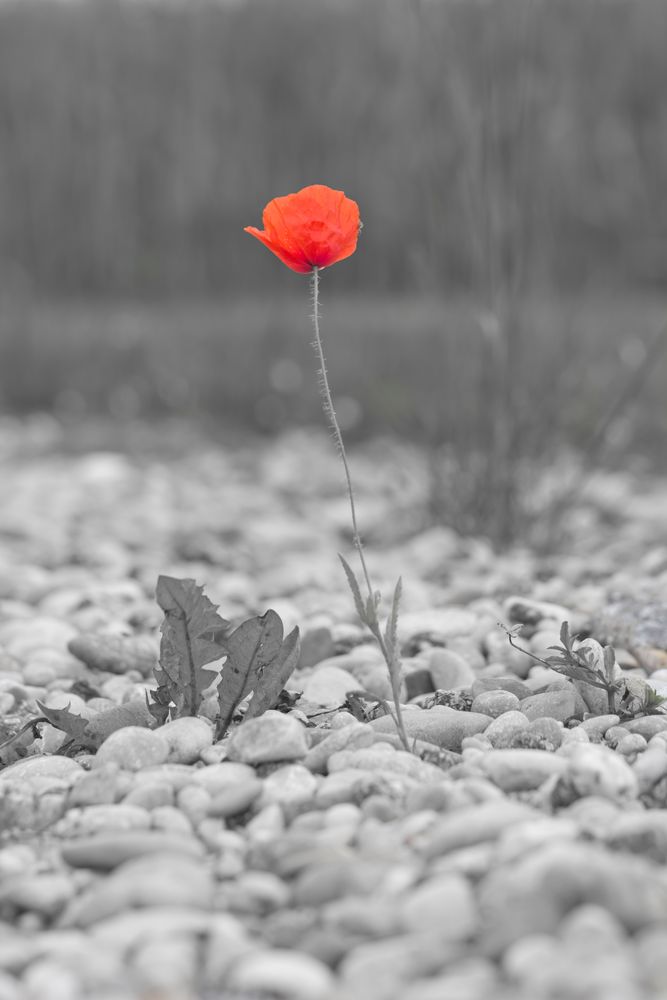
point(273, 680)
point(251, 649)
point(64, 720)
point(609, 661)
point(192, 633)
point(354, 587)
point(565, 635)
point(391, 628)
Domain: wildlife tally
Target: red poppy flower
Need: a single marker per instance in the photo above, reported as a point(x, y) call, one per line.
point(315, 227)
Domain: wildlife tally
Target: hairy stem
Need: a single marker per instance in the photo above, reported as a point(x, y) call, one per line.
point(330, 414)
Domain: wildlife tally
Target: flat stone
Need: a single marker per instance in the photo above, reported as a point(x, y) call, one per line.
point(504, 682)
point(443, 726)
point(281, 973)
point(474, 825)
point(132, 748)
point(151, 880)
point(31, 768)
point(647, 726)
point(91, 820)
point(270, 737)
point(356, 735)
point(381, 757)
point(115, 654)
point(559, 704)
point(521, 770)
point(105, 852)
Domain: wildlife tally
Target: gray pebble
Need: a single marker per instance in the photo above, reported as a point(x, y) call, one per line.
point(186, 738)
point(106, 851)
point(521, 770)
point(132, 748)
point(495, 703)
point(445, 727)
point(270, 737)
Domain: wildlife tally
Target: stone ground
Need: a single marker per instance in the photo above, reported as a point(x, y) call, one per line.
point(518, 852)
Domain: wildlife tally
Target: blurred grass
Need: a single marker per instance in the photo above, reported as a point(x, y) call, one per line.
point(486, 143)
point(424, 368)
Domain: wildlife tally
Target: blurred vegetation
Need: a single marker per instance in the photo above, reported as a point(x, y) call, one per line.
point(486, 142)
point(510, 161)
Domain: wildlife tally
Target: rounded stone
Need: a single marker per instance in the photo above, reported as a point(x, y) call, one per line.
point(495, 703)
point(268, 738)
point(132, 748)
point(282, 973)
point(187, 737)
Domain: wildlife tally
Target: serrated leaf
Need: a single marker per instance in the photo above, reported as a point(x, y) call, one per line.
point(251, 649)
point(354, 587)
point(64, 720)
point(274, 678)
point(191, 638)
point(391, 628)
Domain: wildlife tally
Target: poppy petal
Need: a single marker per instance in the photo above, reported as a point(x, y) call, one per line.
point(315, 227)
point(299, 263)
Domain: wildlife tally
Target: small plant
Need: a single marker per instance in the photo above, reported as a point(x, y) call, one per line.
point(593, 664)
point(257, 661)
point(308, 231)
point(257, 657)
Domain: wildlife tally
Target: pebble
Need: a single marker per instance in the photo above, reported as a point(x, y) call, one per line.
point(186, 739)
point(511, 854)
point(559, 705)
point(151, 880)
point(443, 726)
point(449, 671)
point(446, 902)
point(105, 852)
point(115, 654)
point(495, 703)
point(281, 973)
point(268, 738)
point(132, 748)
point(595, 770)
point(474, 825)
point(328, 685)
point(503, 730)
point(521, 770)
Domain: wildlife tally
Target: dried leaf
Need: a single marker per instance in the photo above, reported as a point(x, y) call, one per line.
point(64, 720)
point(273, 680)
point(251, 649)
point(192, 636)
point(354, 587)
point(391, 628)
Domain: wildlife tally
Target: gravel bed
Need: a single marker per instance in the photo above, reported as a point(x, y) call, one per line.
point(519, 852)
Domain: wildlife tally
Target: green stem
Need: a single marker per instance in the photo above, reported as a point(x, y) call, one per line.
point(330, 414)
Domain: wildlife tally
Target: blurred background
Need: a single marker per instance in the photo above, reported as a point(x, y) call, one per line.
point(506, 304)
